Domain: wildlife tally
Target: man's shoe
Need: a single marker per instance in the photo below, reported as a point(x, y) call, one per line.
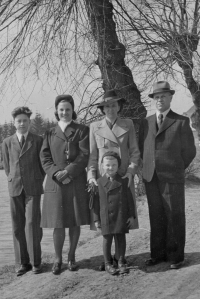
point(152, 261)
point(23, 269)
point(111, 269)
point(37, 269)
point(72, 266)
point(123, 268)
point(56, 269)
point(176, 266)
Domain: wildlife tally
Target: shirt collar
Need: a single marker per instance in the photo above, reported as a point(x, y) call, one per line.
point(19, 135)
point(110, 178)
point(163, 113)
point(63, 125)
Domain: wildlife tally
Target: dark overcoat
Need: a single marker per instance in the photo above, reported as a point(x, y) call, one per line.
point(65, 205)
point(114, 205)
point(22, 166)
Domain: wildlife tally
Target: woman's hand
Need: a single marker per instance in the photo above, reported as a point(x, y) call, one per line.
point(93, 180)
point(129, 176)
point(66, 181)
point(60, 174)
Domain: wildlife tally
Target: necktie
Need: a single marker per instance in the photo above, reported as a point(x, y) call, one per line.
point(160, 120)
point(22, 141)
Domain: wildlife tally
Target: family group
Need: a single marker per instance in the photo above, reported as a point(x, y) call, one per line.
point(105, 156)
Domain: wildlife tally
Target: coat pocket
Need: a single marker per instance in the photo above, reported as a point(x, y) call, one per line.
point(50, 186)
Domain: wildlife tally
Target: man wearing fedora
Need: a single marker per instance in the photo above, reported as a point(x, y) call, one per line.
point(167, 148)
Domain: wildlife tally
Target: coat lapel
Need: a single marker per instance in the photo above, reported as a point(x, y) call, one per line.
point(105, 132)
point(69, 131)
point(168, 121)
point(28, 143)
point(16, 143)
point(110, 185)
point(59, 133)
point(152, 124)
point(120, 128)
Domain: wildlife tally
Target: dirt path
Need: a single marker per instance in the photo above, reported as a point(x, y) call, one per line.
point(142, 282)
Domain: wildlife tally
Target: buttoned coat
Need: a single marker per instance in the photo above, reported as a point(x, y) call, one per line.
point(65, 205)
point(169, 150)
point(22, 166)
point(114, 205)
point(122, 140)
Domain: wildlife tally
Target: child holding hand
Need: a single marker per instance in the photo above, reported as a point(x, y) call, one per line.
point(114, 211)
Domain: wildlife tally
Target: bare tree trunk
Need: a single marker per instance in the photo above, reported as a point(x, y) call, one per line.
point(187, 45)
point(111, 54)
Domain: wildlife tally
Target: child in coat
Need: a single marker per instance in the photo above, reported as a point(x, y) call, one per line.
point(114, 211)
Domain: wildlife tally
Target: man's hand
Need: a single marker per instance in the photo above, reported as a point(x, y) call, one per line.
point(130, 222)
point(129, 176)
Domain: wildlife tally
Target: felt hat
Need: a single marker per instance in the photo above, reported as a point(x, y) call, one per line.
point(161, 86)
point(110, 97)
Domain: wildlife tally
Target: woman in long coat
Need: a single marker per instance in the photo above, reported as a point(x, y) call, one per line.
point(64, 157)
point(113, 133)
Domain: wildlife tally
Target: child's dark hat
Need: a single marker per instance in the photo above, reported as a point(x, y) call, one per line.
point(112, 154)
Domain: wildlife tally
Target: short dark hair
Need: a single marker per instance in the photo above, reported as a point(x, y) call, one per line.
point(21, 110)
point(120, 103)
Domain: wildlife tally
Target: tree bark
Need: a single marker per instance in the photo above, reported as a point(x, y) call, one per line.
point(187, 45)
point(111, 55)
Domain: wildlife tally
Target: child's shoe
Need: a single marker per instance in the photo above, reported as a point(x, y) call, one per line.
point(123, 268)
point(110, 269)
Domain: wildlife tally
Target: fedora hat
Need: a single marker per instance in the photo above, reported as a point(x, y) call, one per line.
point(110, 97)
point(161, 86)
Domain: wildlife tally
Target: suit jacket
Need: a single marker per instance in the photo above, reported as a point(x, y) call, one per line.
point(169, 150)
point(114, 205)
point(22, 166)
point(120, 139)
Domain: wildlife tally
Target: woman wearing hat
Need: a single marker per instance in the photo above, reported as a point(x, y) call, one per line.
point(64, 157)
point(113, 134)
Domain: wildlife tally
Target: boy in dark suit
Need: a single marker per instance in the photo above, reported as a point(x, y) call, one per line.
point(114, 211)
point(25, 178)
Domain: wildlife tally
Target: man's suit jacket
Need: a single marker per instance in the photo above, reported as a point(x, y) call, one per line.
point(120, 139)
point(22, 166)
point(169, 150)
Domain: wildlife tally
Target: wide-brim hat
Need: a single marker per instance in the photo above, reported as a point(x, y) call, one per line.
point(110, 97)
point(161, 86)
